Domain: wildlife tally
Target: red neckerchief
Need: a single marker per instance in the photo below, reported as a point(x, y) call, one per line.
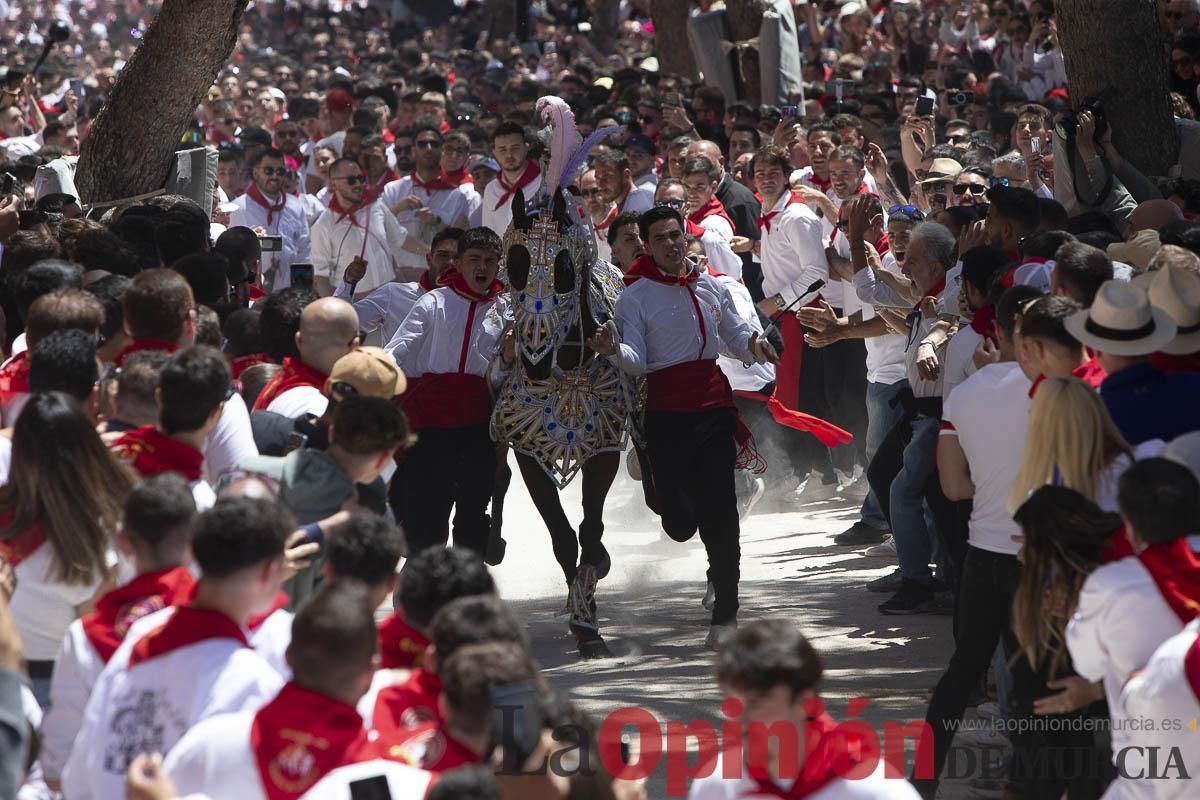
point(460, 176)
point(507, 191)
point(301, 736)
point(428, 747)
point(256, 293)
point(242, 363)
point(832, 755)
point(821, 183)
point(1191, 667)
point(883, 246)
point(374, 190)
point(409, 704)
point(1175, 569)
point(1090, 372)
point(644, 267)
point(139, 345)
point(454, 279)
point(982, 322)
point(14, 377)
point(150, 451)
point(116, 611)
point(693, 229)
point(713, 208)
point(20, 546)
point(608, 221)
point(937, 289)
point(272, 209)
point(336, 207)
point(255, 622)
point(764, 222)
point(187, 626)
point(438, 184)
point(1176, 364)
point(295, 373)
point(401, 646)
point(429, 285)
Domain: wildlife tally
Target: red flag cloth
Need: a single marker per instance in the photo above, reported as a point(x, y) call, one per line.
point(187, 626)
point(149, 451)
point(401, 646)
point(301, 736)
point(784, 403)
point(115, 612)
point(295, 373)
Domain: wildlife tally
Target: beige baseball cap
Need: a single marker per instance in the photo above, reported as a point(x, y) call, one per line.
point(371, 371)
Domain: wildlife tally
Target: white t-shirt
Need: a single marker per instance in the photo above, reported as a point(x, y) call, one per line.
point(42, 607)
point(989, 413)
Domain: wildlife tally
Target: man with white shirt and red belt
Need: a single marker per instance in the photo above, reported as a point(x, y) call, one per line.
point(328, 330)
point(673, 322)
point(1129, 607)
point(265, 205)
point(283, 749)
point(194, 665)
point(703, 208)
point(354, 232)
point(449, 348)
point(425, 201)
point(517, 171)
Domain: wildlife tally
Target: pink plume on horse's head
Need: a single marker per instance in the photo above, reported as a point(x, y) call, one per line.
point(555, 112)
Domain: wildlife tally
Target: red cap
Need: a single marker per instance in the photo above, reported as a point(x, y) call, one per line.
point(1059, 93)
point(339, 100)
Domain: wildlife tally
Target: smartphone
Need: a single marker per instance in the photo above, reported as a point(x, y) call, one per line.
point(518, 722)
point(1035, 144)
point(924, 107)
point(270, 244)
point(77, 88)
point(671, 99)
point(789, 112)
point(375, 788)
point(302, 274)
point(550, 48)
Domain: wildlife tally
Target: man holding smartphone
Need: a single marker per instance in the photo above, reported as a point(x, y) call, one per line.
point(265, 205)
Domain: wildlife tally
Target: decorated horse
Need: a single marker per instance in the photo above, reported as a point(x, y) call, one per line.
point(564, 410)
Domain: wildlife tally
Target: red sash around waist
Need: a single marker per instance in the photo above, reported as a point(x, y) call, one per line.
point(447, 400)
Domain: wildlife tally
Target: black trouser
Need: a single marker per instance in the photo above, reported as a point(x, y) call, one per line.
point(833, 386)
point(448, 467)
point(983, 618)
point(598, 474)
point(692, 461)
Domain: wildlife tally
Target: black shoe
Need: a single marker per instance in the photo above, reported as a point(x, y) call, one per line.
point(913, 598)
point(860, 534)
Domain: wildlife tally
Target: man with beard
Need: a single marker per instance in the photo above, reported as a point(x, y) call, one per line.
point(601, 212)
point(265, 205)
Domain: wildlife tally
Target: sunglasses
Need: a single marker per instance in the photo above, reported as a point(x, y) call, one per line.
point(973, 188)
point(428, 144)
point(271, 171)
point(351, 180)
point(907, 211)
point(675, 204)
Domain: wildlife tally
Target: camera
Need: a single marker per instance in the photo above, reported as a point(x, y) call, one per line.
point(959, 98)
point(1068, 124)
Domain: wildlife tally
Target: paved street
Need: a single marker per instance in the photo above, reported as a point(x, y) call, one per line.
point(652, 618)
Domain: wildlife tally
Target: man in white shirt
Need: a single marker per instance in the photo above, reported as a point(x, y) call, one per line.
point(517, 171)
point(352, 231)
point(770, 673)
point(673, 322)
point(265, 205)
point(674, 194)
point(601, 212)
point(310, 728)
point(198, 662)
point(979, 266)
point(328, 330)
point(1128, 608)
point(615, 179)
point(425, 201)
point(978, 456)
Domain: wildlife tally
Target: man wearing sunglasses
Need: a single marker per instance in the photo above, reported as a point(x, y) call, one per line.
point(970, 187)
point(265, 205)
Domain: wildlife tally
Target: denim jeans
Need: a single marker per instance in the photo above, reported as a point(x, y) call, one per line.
point(883, 412)
point(914, 540)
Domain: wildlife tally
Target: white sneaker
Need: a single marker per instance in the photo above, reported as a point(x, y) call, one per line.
point(760, 488)
point(717, 634)
point(885, 548)
point(710, 597)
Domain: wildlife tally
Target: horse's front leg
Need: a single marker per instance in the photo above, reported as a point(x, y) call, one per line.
point(599, 472)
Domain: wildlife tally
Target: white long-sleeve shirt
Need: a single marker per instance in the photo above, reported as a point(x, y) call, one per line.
point(752, 377)
point(792, 251)
point(337, 240)
point(498, 219)
point(451, 206)
point(291, 223)
point(1120, 620)
point(659, 327)
point(384, 308)
point(430, 340)
point(148, 707)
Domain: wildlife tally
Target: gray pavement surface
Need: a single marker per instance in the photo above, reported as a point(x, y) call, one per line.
point(651, 616)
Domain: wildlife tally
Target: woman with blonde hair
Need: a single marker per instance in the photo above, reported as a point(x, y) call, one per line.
point(58, 511)
point(1072, 441)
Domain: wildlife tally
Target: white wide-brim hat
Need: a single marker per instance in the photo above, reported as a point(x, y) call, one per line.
point(1176, 291)
point(1121, 321)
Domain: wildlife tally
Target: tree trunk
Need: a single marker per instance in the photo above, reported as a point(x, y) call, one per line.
point(671, 46)
point(745, 23)
point(503, 19)
point(1136, 103)
point(606, 16)
point(129, 148)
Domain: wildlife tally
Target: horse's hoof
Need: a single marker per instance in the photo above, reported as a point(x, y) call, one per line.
point(496, 549)
point(602, 562)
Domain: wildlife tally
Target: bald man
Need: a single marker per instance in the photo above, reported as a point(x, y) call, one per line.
point(740, 204)
point(1153, 215)
point(328, 330)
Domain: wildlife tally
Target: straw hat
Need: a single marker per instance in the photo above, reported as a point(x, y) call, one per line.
point(1176, 291)
point(1122, 322)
